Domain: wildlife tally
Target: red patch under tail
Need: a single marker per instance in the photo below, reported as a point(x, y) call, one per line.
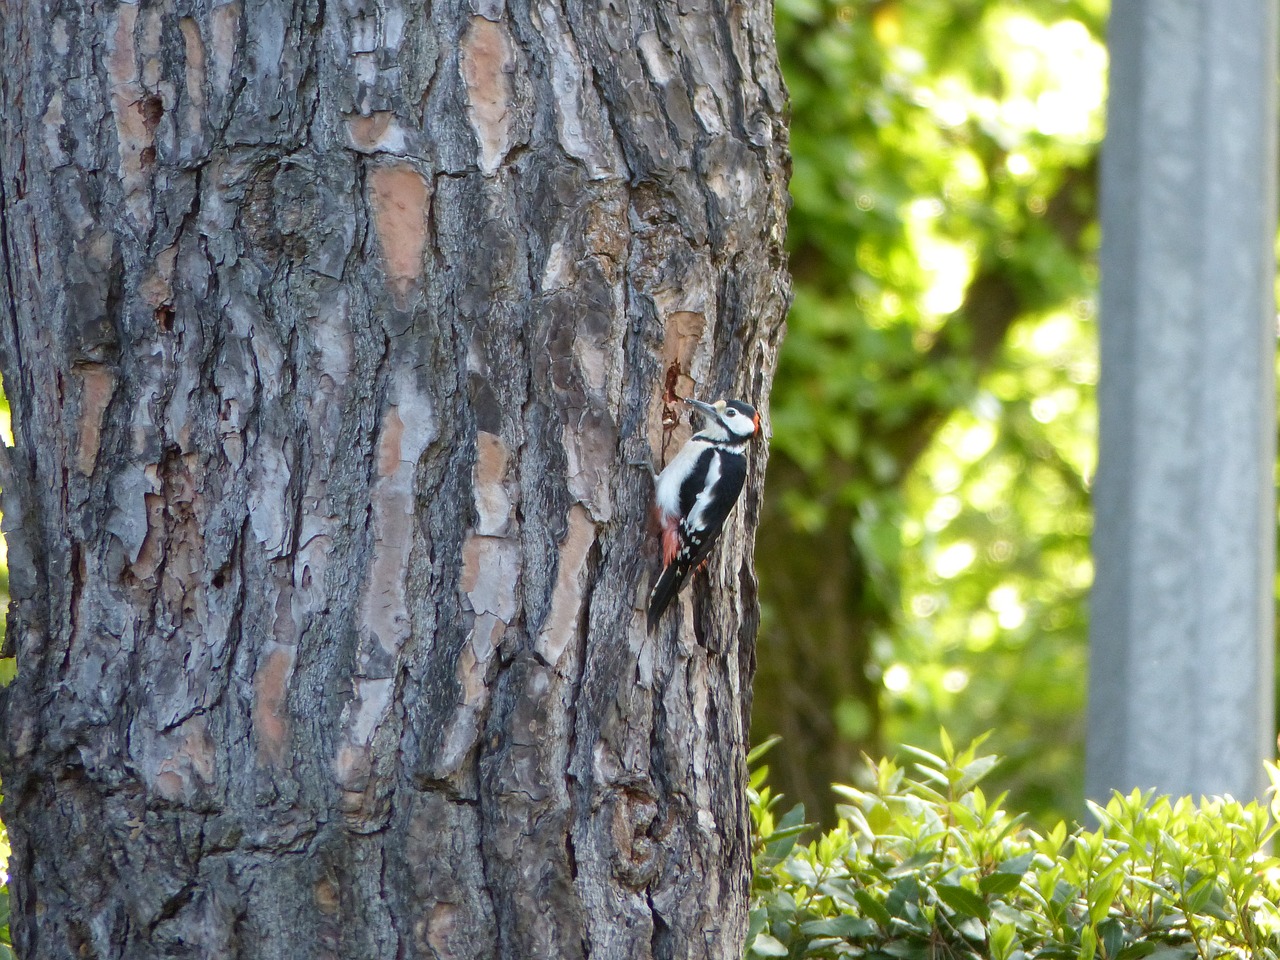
point(670, 539)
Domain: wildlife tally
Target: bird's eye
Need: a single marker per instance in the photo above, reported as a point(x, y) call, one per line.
point(731, 413)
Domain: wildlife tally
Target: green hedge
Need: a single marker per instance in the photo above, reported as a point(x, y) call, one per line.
point(923, 866)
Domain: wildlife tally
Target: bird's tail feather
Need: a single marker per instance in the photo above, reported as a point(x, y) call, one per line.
point(665, 589)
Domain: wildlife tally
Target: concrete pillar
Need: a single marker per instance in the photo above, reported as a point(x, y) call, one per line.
point(1181, 680)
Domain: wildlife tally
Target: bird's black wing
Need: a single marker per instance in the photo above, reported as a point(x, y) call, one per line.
point(695, 545)
point(733, 474)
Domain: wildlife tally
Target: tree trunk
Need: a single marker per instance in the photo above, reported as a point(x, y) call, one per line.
point(331, 332)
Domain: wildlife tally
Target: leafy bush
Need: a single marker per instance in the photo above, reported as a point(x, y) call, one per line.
point(924, 866)
point(6, 942)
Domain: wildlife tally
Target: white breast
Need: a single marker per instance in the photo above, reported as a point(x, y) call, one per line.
point(667, 492)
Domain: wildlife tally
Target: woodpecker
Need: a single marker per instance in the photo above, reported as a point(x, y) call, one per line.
point(696, 491)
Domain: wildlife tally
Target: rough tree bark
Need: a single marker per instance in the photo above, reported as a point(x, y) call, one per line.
point(330, 330)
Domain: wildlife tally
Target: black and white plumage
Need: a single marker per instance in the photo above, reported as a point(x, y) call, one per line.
point(697, 490)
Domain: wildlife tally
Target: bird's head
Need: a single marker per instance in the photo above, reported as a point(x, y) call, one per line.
point(728, 420)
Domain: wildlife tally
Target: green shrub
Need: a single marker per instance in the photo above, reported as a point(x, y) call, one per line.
point(923, 866)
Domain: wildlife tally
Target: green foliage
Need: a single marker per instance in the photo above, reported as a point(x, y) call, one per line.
point(6, 944)
point(929, 137)
point(924, 865)
point(996, 569)
point(933, 406)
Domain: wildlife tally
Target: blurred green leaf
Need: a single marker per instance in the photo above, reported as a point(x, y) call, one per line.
point(998, 884)
point(845, 926)
point(766, 946)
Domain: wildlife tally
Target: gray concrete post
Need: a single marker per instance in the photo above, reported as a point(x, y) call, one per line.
point(1181, 680)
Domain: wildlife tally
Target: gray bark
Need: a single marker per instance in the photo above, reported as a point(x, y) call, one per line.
point(330, 331)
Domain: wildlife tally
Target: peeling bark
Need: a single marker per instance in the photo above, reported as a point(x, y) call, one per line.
point(330, 333)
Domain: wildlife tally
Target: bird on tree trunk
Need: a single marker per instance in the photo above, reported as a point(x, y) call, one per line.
point(696, 491)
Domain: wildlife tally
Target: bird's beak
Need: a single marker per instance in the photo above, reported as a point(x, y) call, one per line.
point(705, 408)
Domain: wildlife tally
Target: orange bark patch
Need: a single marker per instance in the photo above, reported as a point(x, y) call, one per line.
point(401, 440)
point(353, 762)
point(157, 287)
point(471, 673)
point(351, 769)
point(284, 628)
point(366, 132)
point(378, 131)
point(389, 442)
point(326, 894)
point(440, 927)
point(566, 600)
point(135, 140)
point(398, 200)
point(487, 65)
point(152, 549)
point(684, 330)
point(471, 557)
point(182, 773)
point(224, 27)
point(270, 713)
point(199, 750)
point(149, 45)
point(195, 57)
point(121, 67)
point(683, 335)
point(489, 481)
point(98, 384)
point(169, 784)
